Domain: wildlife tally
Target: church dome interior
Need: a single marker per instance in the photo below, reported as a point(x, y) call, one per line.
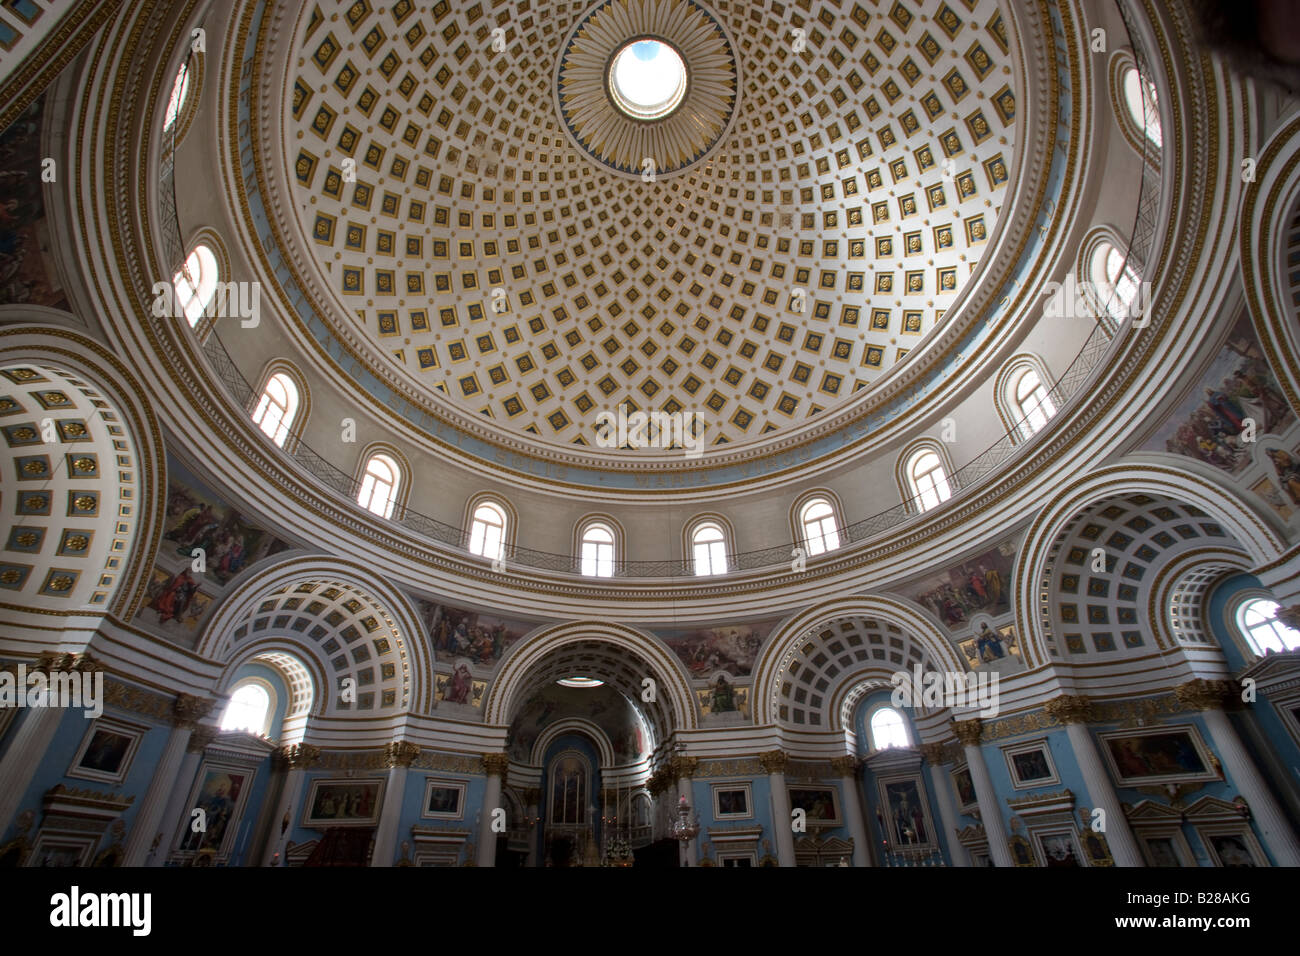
point(658, 433)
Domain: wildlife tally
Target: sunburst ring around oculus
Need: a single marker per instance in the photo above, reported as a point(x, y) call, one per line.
point(621, 114)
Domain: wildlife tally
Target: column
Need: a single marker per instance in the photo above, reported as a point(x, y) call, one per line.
point(774, 762)
point(847, 767)
point(200, 737)
point(495, 766)
point(1210, 697)
point(187, 711)
point(937, 756)
point(684, 769)
point(398, 757)
point(293, 762)
point(32, 737)
point(968, 732)
point(1074, 711)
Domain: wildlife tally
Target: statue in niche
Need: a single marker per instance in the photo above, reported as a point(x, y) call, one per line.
point(724, 698)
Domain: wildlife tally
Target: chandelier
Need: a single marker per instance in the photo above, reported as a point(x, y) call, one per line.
point(687, 825)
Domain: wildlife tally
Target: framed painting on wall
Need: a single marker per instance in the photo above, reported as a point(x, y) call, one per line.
point(220, 791)
point(1165, 850)
point(1030, 765)
point(733, 801)
point(1059, 848)
point(1158, 755)
point(107, 750)
point(964, 787)
point(821, 805)
point(62, 850)
point(444, 799)
point(1232, 846)
point(343, 803)
point(906, 811)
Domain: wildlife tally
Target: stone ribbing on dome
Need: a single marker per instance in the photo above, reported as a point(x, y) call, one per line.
point(620, 142)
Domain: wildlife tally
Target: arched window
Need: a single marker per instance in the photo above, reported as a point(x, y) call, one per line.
point(379, 484)
point(249, 709)
point(1116, 281)
point(598, 551)
point(928, 480)
point(888, 729)
point(709, 549)
point(196, 284)
point(277, 407)
point(487, 531)
point(1257, 619)
point(569, 794)
point(180, 93)
point(820, 532)
point(1030, 402)
point(1143, 104)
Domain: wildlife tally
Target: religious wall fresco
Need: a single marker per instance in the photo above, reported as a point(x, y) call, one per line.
point(179, 597)
point(731, 648)
point(1209, 424)
point(470, 637)
point(26, 273)
point(978, 584)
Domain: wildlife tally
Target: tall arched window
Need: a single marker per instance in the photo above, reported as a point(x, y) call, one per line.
point(1030, 402)
point(1257, 619)
point(1116, 281)
point(1143, 104)
point(598, 551)
point(180, 93)
point(487, 531)
point(927, 479)
point(888, 729)
point(379, 485)
point(277, 407)
point(569, 793)
point(196, 284)
point(249, 709)
point(820, 532)
point(709, 549)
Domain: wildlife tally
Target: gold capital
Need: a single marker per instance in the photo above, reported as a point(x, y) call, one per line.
point(188, 710)
point(774, 761)
point(934, 754)
point(496, 765)
point(685, 766)
point(1201, 694)
point(400, 753)
point(1289, 616)
point(299, 756)
point(200, 737)
point(1069, 709)
point(846, 766)
point(968, 731)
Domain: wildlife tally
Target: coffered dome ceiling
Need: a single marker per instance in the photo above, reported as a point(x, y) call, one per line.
point(482, 218)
